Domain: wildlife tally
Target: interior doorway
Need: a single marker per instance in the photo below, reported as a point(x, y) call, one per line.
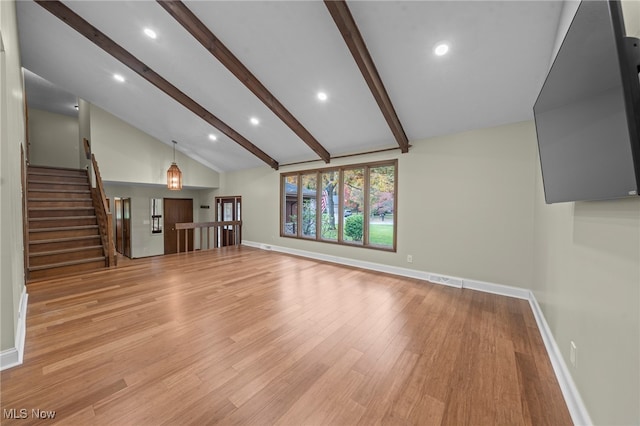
point(122, 225)
point(228, 208)
point(177, 210)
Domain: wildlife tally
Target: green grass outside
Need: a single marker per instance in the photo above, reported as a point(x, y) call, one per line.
point(381, 235)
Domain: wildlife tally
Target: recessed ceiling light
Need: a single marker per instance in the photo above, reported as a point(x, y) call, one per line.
point(254, 121)
point(441, 49)
point(150, 33)
point(119, 78)
point(322, 96)
point(213, 137)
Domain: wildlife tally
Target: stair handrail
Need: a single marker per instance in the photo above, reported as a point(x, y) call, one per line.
point(105, 218)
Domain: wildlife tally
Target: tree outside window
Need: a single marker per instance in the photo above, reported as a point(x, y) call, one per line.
point(353, 205)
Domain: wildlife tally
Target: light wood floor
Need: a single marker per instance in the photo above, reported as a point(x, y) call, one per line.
point(244, 336)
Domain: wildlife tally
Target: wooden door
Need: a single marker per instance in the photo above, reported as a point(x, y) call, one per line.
point(126, 226)
point(177, 211)
point(117, 210)
point(228, 209)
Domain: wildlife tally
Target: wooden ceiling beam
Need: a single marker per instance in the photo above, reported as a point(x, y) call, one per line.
point(181, 13)
point(351, 34)
point(101, 40)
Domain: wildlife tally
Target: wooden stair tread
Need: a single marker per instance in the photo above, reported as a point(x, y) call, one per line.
point(59, 173)
point(58, 183)
point(62, 200)
point(61, 251)
point(63, 191)
point(64, 228)
point(59, 208)
point(68, 263)
point(33, 167)
point(42, 219)
point(64, 234)
point(65, 239)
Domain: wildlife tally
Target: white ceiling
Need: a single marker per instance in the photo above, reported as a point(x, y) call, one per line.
point(498, 60)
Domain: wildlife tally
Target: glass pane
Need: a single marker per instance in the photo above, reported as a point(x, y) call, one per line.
point(290, 208)
point(381, 202)
point(353, 190)
point(228, 211)
point(309, 191)
point(329, 206)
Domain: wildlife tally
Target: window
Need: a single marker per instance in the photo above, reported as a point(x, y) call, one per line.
point(352, 205)
point(290, 201)
point(309, 210)
point(329, 205)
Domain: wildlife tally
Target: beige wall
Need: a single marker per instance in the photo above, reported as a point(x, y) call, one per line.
point(134, 165)
point(143, 242)
point(53, 139)
point(12, 136)
point(587, 281)
point(126, 154)
point(465, 206)
point(631, 11)
point(84, 131)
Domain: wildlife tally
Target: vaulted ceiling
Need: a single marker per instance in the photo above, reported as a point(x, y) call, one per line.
point(215, 65)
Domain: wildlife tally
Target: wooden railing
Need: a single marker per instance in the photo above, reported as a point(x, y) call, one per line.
point(224, 233)
point(104, 216)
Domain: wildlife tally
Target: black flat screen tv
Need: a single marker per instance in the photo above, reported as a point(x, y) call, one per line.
point(587, 114)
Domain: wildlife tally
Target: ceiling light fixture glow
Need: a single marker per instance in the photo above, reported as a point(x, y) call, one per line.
point(322, 96)
point(213, 137)
point(441, 49)
point(150, 33)
point(254, 121)
point(119, 78)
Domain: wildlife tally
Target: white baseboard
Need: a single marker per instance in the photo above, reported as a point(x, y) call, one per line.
point(394, 270)
point(499, 289)
point(577, 409)
point(572, 398)
point(14, 356)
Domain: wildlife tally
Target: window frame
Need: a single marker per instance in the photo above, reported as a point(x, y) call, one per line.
point(340, 193)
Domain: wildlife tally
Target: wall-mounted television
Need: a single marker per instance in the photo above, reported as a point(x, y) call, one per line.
point(587, 114)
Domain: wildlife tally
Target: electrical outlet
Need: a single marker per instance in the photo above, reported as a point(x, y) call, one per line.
point(573, 356)
point(409, 258)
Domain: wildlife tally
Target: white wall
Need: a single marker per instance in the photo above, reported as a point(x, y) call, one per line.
point(587, 282)
point(465, 206)
point(12, 136)
point(126, 154)
point(53, 139)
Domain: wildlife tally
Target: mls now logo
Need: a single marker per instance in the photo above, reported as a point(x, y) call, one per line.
point(23, 413)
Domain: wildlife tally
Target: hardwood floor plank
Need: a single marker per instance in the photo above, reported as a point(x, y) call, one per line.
point(325, 386)
point(381, 395)
point(244, 336)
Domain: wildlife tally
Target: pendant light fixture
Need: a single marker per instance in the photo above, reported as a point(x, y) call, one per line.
point(174, 175)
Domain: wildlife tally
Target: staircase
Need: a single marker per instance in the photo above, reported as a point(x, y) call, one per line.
point(64, 236)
